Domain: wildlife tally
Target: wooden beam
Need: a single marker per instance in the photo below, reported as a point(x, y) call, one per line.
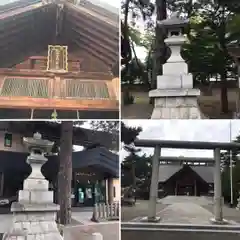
point(45, 58)
point(110, 51)
point(81, 20)
point(59, 104)
point(21, 10)
point(91, 49)
point(20, 42)
point(42, 73)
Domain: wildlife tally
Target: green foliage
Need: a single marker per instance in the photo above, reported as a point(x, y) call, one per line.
point(225, 160)
point(129, 134)
point(213, 26)
point(133, 10)
point(106, 126)
point(111, 127)
point(142, 174)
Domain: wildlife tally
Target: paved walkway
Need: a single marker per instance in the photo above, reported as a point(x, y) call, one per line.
point(180, 209)
point(109, 231)
point(185, 213)
point(83, 217)
point(202, 201)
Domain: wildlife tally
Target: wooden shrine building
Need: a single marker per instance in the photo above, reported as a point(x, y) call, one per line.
point(185, 179)
point(59, 60)
point(95, 168)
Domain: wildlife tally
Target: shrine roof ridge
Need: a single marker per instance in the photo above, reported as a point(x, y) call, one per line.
point(187, 159)
point(17, 4)
point(186, 144)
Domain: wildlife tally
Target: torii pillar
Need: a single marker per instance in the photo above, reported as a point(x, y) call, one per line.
point(154, 186)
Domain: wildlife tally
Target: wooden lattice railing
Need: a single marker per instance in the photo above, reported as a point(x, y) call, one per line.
point(105, 212)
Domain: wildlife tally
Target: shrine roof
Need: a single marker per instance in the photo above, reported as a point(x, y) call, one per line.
point(28, 26)
point(52, 131)
point(167, 171)
point(99, 158)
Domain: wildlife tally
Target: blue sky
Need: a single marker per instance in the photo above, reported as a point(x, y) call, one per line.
point(188, 130)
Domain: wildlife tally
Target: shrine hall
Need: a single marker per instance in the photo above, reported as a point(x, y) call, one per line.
point(59, 60)
point(95, 176)
point(186, 179)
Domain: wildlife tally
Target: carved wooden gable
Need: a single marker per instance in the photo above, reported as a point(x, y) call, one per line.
point(55, 87)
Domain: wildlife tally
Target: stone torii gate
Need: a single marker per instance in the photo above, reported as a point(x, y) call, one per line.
point(159, 144)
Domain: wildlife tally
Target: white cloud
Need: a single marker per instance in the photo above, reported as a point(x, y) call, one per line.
point(188, 130)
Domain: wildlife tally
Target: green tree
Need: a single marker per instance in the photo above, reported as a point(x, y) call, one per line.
point(111, 127)
point(225, 160)
point(213, 26)
point(128, 135)
point(142, 174)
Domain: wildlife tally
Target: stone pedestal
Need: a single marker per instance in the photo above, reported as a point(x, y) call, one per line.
point(175, 97)
point(34, 214)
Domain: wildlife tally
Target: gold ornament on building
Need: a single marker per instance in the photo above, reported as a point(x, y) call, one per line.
point(57, 58)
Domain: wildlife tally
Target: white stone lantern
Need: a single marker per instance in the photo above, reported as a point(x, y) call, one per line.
point(34, 215)
point(175, 38)
point(175, 97)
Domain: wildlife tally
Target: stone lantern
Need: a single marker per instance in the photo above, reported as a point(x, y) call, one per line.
point(34, 215)
point(175, 96)
point(175, 39)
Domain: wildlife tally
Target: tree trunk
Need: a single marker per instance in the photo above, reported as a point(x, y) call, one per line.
point(160, 48)
point(223, 73)
point(134, 182)
point(224, 96)
point(65, 173)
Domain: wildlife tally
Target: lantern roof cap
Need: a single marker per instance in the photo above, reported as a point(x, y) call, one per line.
point(174, 21)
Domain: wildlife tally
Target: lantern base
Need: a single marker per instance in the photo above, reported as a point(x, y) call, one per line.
point(175, 104)
point(34, 221)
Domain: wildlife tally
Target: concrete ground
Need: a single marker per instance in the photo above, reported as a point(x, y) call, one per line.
point(109, 231)
point(202, 201)
point(185, 213)
point(140, 210)
point(179, 210)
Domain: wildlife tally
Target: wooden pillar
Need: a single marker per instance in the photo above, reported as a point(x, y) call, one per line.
point(2, 184)
point(110, 189)
point(115, 84)
point(195, 188)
